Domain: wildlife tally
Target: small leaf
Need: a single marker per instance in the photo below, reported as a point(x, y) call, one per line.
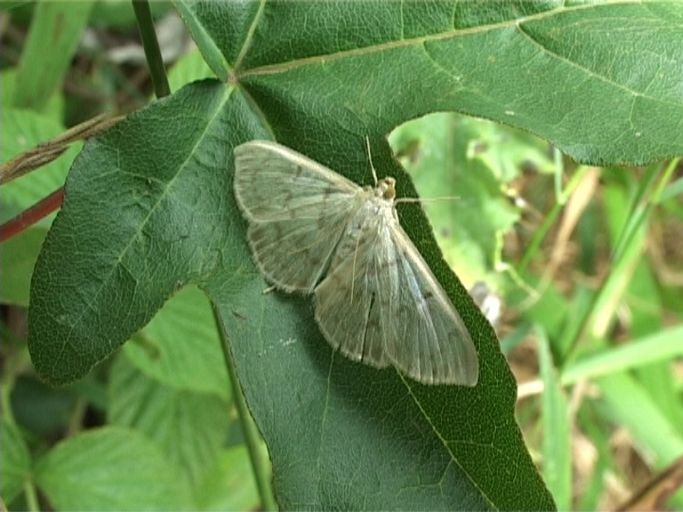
point(229, 485)
point(41, 409)
point(111, 468)
point(627, 403)
point(15, 461)
point(18, 256)
point(656, 436)
point(190, 427)
point(654, 348)
point(180, 346)
point(190, 67)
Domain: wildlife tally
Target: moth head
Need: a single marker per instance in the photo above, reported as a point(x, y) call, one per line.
point(386, 188)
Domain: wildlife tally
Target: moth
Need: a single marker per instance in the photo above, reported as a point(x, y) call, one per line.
point(311, 230)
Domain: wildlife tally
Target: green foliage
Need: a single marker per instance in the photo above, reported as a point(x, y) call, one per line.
point(16, 461)
point(149, 237)
point(57, 26)
point(180, 346)
point(460, 167)
point(189, 426)
point(124, 471)
point(22, 130)
point(557, 466)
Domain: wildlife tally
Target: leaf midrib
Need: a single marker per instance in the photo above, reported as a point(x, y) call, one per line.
point(415, 41)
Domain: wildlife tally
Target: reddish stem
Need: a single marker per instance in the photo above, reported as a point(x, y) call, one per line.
point(41, 209)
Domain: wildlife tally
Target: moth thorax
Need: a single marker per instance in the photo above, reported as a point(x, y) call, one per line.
point(386, 188)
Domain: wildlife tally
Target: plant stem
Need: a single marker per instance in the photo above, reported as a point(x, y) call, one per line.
point(15, 360)
point(538, 237)
point(27, 218)
point(5, 398)
point(251, 435)
point(668, 172)
point(149, 42)
point(558, 174)
point(76, 418)
point(550, 218)
point(31, 496)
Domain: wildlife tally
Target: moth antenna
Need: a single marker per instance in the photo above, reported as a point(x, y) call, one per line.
point(372, 167)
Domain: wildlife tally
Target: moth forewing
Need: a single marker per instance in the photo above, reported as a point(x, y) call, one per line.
point(270, 179)
point(442, 351)
point(296, 210)
point(376, 300)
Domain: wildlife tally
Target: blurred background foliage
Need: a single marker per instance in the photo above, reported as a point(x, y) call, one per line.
point(579, 268)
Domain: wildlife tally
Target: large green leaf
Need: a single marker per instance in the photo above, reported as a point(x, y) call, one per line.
point(599, 81)
point(149, 208)
point(181, 224)
point(161, 216)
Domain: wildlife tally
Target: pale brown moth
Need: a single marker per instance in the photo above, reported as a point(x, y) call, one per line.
point(311, 230)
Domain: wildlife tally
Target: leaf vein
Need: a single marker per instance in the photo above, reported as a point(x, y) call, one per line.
point(250, 35)
point(445, 443)
point(324, 417)
point(591, 73)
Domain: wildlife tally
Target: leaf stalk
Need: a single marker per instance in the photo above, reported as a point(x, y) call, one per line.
point(249, 430)
point(143, 14)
